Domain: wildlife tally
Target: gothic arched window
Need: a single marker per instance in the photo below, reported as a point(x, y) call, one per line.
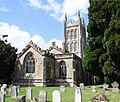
point(71, 34)
point(75, 33)
point(29, 63)
point(62, 69)
point(67, 34)
point(75, 46)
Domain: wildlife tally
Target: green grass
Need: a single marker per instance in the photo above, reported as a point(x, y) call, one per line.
point(68, 95)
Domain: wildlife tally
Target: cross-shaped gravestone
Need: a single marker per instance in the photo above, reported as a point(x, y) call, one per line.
point(42, 96)
point(78, 95)
point(56, 96)
point(29, 93)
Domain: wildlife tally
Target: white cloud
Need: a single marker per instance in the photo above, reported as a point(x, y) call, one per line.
point(4, 9)
point(19, 38)
point(57, 10)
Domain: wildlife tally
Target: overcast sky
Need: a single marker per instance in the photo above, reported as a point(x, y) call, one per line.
point(37, 20)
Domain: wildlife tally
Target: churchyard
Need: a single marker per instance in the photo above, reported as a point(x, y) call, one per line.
point(61, 94)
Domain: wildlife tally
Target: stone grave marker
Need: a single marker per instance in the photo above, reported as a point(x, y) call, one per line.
point(14, 92)
point(105, 86)
point(115, 88)
point(62, 88)
point(18, 89)
point(78, 95)
point(29, 93)
point(3, 97)
point(42, 96)
point(82, 86)
point(93, 89)
point(3, 90)
point(56, 96)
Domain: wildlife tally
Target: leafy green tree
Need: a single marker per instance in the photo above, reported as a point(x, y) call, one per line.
point(111, 41)
point(7, 61)
point(103, 43)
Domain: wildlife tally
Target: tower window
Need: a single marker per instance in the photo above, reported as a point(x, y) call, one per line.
point(67, 36)
point(71, 34)
point(75, 46)
point(75, 33)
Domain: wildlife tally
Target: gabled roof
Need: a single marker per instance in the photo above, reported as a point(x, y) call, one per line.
point(34, 46)
point(56, 48)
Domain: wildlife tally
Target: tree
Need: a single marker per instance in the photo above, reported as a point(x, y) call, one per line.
point(7, 61)
point(111, 41)
point(102, 46)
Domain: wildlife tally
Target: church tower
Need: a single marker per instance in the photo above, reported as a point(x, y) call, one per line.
point(75, 36)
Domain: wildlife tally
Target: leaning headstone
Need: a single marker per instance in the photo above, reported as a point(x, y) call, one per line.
point(115, 88)
point(82, 86)
point(42, 96)
point(29, 93)
point(78, 95)
point(13, 92)
point(3, 97)
point(62, 88)
point(93, 89)
point(56, 96)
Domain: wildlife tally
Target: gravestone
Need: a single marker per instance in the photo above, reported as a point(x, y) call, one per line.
point(56, 96)
point(115, 88)
point(4, 85)
point(3, 90)
point(105, 86)
point(42, 96)
point(18, 89)
point(13, 92)
point(62, 88)
point(29, 93)
point(78, 95)
point(82, 86)
point(3, 97)
point(93, 89)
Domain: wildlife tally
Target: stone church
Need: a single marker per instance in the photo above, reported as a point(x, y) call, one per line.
point(54, 66)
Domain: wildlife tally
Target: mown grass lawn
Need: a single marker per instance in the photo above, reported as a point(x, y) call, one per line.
point(68, 95)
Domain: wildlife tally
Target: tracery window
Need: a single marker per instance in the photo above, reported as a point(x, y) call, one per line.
point(30, 63)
